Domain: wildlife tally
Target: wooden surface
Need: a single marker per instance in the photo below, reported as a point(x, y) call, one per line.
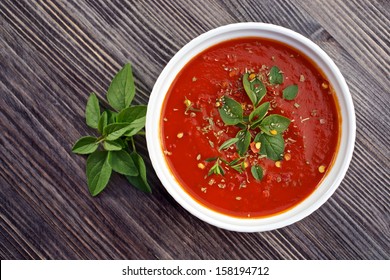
point(54, 53)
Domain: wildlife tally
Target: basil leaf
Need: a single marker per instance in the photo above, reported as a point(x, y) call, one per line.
point(238, 167)
point(248, 88)
point(122, 162)
point(98, 172)
point(85, 145)
point(135, 116)
point(228, 143)
point(111, 117)
point(103, 121)
point(211, 159)
point(274, 122)
point(241, 126)
point(113, 145)
point(216, 169)
point(231, 111)
point(224, 160)
point(140, 181)
point(275, 76)
point(259, 112)
point(92, 111)
point(290, 92)
point(107, 117)
point(257, 172)
point(259, 89)
point(122, 89)
point(115, 130)
point(234, 161)
point(132, 114)
point(271, 146)
point(255, 89)
point(219, 170)
point(244, 140)
point(133, 130)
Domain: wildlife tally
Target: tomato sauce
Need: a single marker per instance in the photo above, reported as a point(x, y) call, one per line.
point(189, 137)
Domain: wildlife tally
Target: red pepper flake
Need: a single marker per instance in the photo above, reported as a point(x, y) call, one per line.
point(225, 84)
point(232, 73)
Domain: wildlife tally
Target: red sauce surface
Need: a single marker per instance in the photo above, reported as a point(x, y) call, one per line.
point(311, 139)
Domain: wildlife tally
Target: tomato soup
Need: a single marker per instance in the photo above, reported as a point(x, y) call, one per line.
point(234, 157)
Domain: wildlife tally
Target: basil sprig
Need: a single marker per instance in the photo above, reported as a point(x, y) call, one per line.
point(271, 126)
point(266, 131)
point(117, 129)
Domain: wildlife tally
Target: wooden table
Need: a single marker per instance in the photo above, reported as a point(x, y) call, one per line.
point(54, 53)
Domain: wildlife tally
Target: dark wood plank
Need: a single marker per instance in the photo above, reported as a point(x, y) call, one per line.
point(54, 53)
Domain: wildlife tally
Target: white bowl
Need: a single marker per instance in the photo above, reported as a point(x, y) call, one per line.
point(326, 187)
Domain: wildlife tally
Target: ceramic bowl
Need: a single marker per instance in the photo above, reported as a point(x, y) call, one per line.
point(327, 186)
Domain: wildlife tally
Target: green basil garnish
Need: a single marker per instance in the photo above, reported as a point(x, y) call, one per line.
point(290, 92)
point(275, 76)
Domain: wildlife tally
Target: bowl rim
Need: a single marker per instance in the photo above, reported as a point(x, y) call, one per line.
point(326, 187)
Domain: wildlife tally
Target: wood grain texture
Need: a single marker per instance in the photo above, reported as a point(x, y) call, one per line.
point(54, 53)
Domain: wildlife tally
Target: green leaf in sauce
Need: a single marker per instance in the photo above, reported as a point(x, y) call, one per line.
point(254, 88)
point(259, 113)
point(275, 76)
point(231, 111)
point(216, 169)
point(228, 143)
point(274, 124)
point(248, 89)
point(259, 89)
point(211, 159)
point(271, 146)
point(244, 140)
point(239, 167)
point(290, 92)
point(257, 172)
